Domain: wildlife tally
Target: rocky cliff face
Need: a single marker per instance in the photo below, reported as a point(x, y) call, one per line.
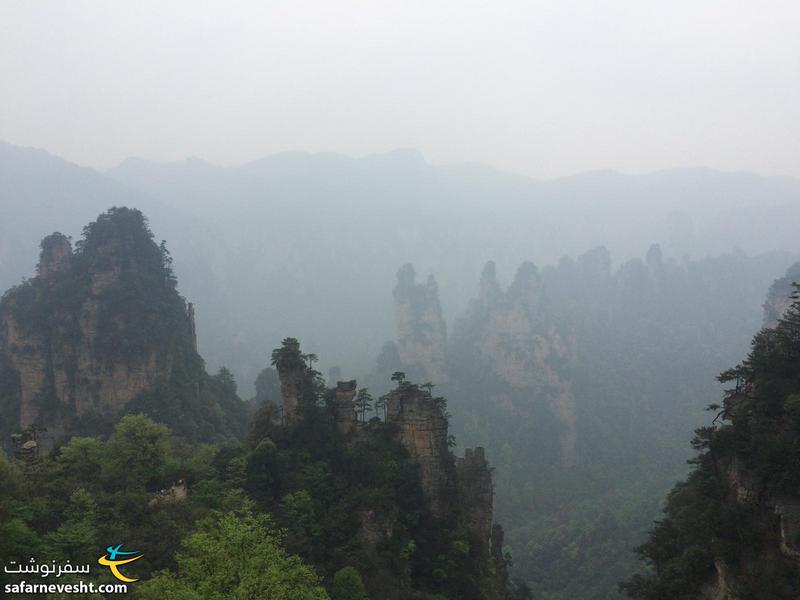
point(732, 530)
point(771, 524)
point(421, 330)
point(96, 330)
point(773, 507)
point(475, 479)
point(422, 430)
point(779, 296)
point(346, 406)
point(292, 379)
point(423, 518)
point(519, 342)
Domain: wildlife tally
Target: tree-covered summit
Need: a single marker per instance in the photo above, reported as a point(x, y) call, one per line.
point(733, 527)
point(102, 330)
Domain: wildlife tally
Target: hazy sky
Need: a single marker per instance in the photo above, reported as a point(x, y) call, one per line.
point(542, 88)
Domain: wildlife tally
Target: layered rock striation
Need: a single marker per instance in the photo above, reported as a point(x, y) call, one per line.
point(516, 338)
point(422, 430)
point(98, 329)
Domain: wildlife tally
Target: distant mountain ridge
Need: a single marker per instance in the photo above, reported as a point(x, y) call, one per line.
point(329, 226)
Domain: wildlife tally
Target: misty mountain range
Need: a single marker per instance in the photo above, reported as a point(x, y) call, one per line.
point(239, 235)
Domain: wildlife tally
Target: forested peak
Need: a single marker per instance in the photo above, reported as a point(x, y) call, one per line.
point(654, 258)
point(55, 255)
point(527, 282)
point(489, 286)
point(633, 277)
point(117, 226)
point(121, 239)
point(414, 300)
point(489, 273)
point(407, 280)
point(102, 331)
point(406, 276)
point(731, 529)
point(779, 296)
point(774, 354)
point(431, 285)
point(595, 265)
point(288, 357)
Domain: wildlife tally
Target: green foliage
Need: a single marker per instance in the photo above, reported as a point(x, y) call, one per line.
point(118, 250)
point(76, 538)
point(17, 535)
point(288, 357)
point(138, 451)
point(631, 352)
point(119, 288)
point(364, 403)
point(235, 556)
point(257, 516)
point(703, 522)
point(347, 585)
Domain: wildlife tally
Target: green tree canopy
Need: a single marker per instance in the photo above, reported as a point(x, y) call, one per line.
point(235, 557)
point(138, 450)
point(347, 585)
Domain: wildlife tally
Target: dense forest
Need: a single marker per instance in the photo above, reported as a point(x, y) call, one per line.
point(101, 331)
point(391, 300)
point(332, 493)
point(732, 528)
point(583, 383)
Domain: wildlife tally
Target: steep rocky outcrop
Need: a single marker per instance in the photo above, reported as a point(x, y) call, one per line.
point(56, 255)
point(448, 483)
point(475, 479)
point(517, 339)
point(345, 406)
point(292, 379)
point(422, 431)
point(770, 519)
point(732, 530)
point(421, 329)
point(779, 296)
point(101, 331)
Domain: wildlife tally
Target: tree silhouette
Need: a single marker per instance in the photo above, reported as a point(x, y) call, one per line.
point(363, 403)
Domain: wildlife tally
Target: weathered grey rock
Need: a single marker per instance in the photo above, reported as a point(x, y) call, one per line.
point(422, 431)
point(346, 406)
point(291, 392)
point(475, 482)
point(421, 329)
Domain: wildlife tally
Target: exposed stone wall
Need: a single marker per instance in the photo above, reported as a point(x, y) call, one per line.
point(346, 406)
point(775, 522)
point(421, 329)
point(56, 255)
point(475, 483)
point(190, 318)
point(60, 376)
point(291, 392)
point(422, 430)
point(525, 350)
point(61, 373)
point(779, 296)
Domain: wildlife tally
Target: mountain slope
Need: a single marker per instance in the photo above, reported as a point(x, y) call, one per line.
point(334, 227)
point(732, 530)
point(101, 331)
